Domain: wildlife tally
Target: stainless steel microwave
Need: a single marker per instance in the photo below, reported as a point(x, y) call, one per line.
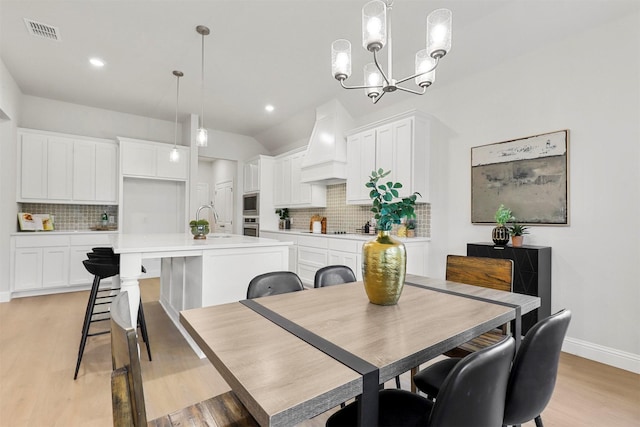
point(251, 204)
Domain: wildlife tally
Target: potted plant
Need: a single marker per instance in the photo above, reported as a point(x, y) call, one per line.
point(411, 225)
point(384, 259)
point(500, 234)
point(517, 232)
point(284, 218)
point(199, 228)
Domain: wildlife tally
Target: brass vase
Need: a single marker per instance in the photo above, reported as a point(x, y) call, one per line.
point(384, 266)
point(500, 235)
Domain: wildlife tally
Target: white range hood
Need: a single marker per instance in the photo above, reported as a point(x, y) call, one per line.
point(326, 158)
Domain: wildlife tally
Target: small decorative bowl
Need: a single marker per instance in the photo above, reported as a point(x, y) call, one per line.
point(200, 231)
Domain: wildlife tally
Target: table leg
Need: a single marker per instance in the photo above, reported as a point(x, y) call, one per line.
point(130, 265)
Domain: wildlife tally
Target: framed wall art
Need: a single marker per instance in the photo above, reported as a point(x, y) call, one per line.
point(527, 175)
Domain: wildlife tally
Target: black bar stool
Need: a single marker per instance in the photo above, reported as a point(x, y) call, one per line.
point(103, 265)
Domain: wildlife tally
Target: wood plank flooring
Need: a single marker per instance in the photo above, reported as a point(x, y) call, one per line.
point(39, 339)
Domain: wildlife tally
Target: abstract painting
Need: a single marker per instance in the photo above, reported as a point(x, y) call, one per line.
point(527, 175)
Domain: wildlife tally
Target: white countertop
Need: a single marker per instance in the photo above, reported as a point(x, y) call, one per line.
point(62, 232)
point(132, 243)
point(354, 236)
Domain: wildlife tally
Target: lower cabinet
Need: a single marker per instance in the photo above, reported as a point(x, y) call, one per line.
point(312, 256)
point(51, 263)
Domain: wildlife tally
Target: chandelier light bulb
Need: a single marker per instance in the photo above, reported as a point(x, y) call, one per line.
point(174, 155)
point(373, 80)
point(424, 63)
point(201, 137)
point(439, 33)
point(374, 25)
point(341, 59)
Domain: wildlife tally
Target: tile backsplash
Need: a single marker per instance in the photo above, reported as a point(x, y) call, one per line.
point(71, 217)
point(351, 218)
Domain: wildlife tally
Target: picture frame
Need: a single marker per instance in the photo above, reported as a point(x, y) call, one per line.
point(34, 222)
point(528, 175)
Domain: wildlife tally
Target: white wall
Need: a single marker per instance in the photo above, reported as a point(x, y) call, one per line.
point(571, 85)
point(10, 98)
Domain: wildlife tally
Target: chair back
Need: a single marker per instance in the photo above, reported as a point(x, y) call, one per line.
point(126, 379)
point(535, 368)
point(274, 283)
point(333, 275)
point(486, 272)
point(473, 393)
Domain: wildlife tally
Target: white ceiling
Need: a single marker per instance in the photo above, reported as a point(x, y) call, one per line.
point(259, 52)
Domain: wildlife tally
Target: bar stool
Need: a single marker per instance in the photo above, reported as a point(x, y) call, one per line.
point(102, 266)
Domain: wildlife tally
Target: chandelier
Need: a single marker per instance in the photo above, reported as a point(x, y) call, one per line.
point(376, 33)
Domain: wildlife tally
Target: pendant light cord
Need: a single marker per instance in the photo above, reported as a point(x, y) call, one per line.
point(175, 136)
point(202, 87)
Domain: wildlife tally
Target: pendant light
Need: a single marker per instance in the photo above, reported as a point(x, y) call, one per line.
point(174, 156)
point(201, 136)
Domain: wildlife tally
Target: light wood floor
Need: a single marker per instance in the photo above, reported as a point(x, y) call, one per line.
point(39, 339)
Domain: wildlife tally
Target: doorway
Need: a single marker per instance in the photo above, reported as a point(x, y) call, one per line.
point(216, 179)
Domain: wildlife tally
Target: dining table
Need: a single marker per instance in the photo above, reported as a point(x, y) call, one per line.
point(291, 357)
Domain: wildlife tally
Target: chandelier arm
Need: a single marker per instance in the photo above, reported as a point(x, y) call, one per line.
point(358, 87)
point(419, 74)
point(424, 89)
point(378, 98)
point(384, 76)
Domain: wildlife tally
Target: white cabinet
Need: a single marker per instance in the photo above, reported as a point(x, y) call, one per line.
point(46, 263)
point(289, 191)
point(293, 249)
point(252, 176)
point(312, 256)
point(57, 168)
point(399, 144)
point(346, 252)
point(146, 159)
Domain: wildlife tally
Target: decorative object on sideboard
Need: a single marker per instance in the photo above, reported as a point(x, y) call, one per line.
point(174, 155)
point(517, 232)
point(500, 233)
point(384, 259)
point(285, 221)
point(376, 33)
point(202, 139)
point(530, 175)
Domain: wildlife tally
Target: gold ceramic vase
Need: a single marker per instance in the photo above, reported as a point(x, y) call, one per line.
point(384, 265)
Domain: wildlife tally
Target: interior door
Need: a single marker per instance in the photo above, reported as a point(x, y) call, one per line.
point(223, 202)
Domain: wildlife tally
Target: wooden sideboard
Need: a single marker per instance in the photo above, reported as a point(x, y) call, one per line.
point(531, 276)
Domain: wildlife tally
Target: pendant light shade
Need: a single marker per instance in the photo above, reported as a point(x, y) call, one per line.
point(174, 155)
point(202, 139)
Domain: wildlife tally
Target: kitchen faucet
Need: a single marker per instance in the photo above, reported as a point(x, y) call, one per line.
point(213, 209)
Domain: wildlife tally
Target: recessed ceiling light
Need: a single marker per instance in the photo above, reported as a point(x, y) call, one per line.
point(269, 108)
point(96, 62)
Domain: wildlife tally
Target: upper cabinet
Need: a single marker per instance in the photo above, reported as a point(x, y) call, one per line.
point(58, 168)
point(399, 144)
point(252, 176)
point(289, 190)
point(146, 159)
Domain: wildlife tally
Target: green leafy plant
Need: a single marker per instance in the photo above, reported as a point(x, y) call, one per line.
point(503, 215)
point(284, 213)
point(386, 211)
point(518, 229)
point(411, 224)
point(200, 222)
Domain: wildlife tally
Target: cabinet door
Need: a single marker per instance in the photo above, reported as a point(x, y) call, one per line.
point(385, 150)
point(84, 171)
point(168, 169)
point(33, 167)
point(300, 191)
point(282, 182)
point(138, 159)
point(361, 160)
point(402, 167)
point(78, 274)
point(251, 177)
point(55, 267)
point(106, 173)
point(59, 168)
point(28, 269)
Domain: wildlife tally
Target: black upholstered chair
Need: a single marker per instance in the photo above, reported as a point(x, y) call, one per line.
point(473, 394)
point(533, 374)
point(333, 275)
point(274, 283)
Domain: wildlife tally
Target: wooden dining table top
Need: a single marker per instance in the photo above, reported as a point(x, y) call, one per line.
point(283, 379)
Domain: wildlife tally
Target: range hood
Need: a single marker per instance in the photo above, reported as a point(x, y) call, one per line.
point(326, 159)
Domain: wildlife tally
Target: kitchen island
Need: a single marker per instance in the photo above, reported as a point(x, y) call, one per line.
point(196, 273)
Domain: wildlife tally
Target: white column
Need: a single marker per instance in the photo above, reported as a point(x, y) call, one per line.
point(130, 271)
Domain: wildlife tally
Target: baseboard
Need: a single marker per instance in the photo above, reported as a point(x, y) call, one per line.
point(5, 296)
point(609, 356)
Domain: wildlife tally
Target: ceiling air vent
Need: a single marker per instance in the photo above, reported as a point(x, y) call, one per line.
point(45, 31)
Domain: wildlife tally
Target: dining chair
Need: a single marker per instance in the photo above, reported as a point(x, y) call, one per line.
point(127, 391)
point(333, 275)
point(493, 273)
point(274, 283)
point(473, 394)
point(533, 374)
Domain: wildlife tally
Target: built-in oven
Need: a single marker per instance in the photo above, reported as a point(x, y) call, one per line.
point(251, 204)
point(251, 227)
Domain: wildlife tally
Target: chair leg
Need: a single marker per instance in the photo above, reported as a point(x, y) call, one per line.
point(87, 321)
point(398, 382)
point(143, 329)
point(538, 421)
